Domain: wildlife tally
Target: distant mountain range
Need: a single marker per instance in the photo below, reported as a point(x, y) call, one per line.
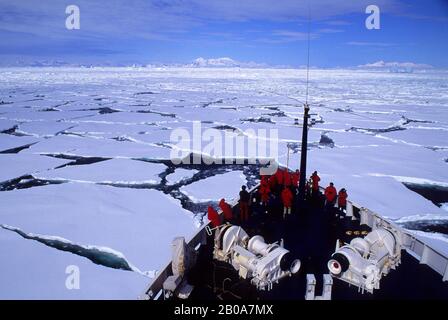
point(226, 62)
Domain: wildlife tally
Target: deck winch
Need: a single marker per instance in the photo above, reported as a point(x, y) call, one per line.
point(253, 258)
point(363, 262)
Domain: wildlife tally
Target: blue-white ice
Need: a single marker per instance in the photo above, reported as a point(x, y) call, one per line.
point(180, 175)
point(226, 185)
point(387, 128)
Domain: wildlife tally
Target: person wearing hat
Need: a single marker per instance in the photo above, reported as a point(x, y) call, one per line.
point(244, 204)
point(226, 210)
point(315, 185)
point(287, 201)
point(214, 217)
point(330, 195)
point(342, 200)
point(264, 191)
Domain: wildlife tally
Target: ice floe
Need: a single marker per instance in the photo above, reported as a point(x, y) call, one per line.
point(139, 223)
point(179, 175)
point(225, 185)
point(113, 171)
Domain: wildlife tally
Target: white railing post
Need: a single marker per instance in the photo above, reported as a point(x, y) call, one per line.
point(424, 257)
point(328, 285)
point(445, 276)
point(349, 209)
point(310, 293)
point(310, 286)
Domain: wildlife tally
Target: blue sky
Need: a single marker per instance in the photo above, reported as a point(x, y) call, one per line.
point(263, 31)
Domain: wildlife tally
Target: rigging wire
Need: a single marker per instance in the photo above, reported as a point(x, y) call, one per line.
point(308, 78)
point(308, 55)
point(318, 105)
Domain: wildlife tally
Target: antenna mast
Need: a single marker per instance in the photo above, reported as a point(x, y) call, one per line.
point(308, 57)
point(306, 107)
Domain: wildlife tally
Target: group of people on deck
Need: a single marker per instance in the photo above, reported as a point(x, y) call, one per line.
point(285, 185)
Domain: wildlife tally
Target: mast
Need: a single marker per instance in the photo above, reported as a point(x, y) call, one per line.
point(306, 109)
point(303, 153)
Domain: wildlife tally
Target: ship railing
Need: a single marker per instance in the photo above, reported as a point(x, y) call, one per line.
point(155, 289)
point(415, 246)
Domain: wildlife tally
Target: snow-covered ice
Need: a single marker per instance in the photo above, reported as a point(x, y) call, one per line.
point(16, 165)
point(113, 171)
point(40, 273)
point(138, 223)
point(8, 142)
point(97, 146)
point(179, 175)
point(226, 185)
point(444, 206)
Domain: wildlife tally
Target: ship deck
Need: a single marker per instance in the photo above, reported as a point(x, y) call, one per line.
point(310, 233)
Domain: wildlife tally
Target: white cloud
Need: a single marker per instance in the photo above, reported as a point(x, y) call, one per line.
point(371, 44)
point(337, 23)
point(284, 10)
point(149, 18)
point(291, 35)
point(330, 30)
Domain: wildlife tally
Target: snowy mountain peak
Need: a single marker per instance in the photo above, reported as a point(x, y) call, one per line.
point(224, 62)
point(396, 66)
point(218, 62)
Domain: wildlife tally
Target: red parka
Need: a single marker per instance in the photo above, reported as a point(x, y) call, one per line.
point(226, 210)
point(213, 216)
point(330, 193)
point(287, 197)
point(295, 179)
point(287, 179)
point(279, 176)
point(342, 198)
point(316, 180)
point(264, 190)
point(272, 182)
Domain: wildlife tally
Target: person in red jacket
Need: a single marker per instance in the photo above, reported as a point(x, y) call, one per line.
point(330, 195)
point(226, 210)
point(342, 199)
point(213, 216)
point(264, 180)
point(287, 201)
point(315, 179)
point(296, 178)
point(264, 191)
point(272, 181)
point(279, 175)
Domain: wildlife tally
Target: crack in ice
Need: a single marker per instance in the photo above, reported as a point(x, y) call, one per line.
point(100, 255)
